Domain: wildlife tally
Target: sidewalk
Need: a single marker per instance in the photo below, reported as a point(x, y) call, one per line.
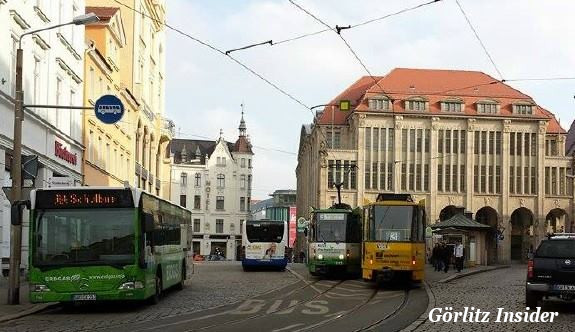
point(25, 308)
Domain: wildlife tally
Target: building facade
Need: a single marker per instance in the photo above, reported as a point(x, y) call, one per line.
point(570, 145)
point(52, 75)
point(213, 179)
point(127, 54)
point(458, 139)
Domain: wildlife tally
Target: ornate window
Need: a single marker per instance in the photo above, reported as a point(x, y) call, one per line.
point(416, 104)
point(379, 104)
point(221, 181)
point(523, 109)
point(198, 180)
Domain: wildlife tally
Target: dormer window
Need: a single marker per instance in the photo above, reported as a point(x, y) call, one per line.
point(451, 106)
point(487, 107)
point(523, 109)
point(379, 104)
point(417, 104)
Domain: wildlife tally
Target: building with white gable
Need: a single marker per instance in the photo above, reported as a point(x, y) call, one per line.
point(213, 179)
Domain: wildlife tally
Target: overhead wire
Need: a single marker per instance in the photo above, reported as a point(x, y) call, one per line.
point(479, 39)
point(337, 30)
point(213, 48)
point(358, 24)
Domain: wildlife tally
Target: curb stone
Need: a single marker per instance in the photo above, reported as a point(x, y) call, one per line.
point(431, 297)
point(423, 317)
point(470, 273)
point(36, 308)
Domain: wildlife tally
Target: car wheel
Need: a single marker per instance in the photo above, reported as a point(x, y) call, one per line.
point(532, 299)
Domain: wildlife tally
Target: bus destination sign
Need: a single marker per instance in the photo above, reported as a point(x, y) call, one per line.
point(70, 199)
point(332, 216)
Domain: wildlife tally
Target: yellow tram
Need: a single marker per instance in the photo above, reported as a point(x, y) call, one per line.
point(393, 246)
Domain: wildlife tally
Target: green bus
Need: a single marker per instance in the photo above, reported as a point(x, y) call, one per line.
point(102, 243)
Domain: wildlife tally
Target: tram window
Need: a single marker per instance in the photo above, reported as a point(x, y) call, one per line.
point(392, 223)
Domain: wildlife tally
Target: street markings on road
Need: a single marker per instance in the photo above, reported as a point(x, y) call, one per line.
point(288, 327)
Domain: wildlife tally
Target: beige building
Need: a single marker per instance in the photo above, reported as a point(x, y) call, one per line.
point(459, 139)
point(127, 54)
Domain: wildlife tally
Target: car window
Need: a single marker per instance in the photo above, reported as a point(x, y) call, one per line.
point(556, 249)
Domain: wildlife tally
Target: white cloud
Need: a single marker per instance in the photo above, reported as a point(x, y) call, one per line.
point(205, 89)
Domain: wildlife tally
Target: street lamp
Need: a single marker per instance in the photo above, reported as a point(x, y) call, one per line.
point(16, 169)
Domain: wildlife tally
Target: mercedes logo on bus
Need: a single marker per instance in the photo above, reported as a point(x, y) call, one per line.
point(567, 262)
point(84, 284)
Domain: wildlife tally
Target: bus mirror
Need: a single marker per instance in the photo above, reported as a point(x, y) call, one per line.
point(148, 223)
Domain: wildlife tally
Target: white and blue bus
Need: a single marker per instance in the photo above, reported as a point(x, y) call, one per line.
point(264, 244)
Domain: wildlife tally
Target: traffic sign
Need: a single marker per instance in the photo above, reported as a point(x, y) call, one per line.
point(25, 193)
point(109, 109)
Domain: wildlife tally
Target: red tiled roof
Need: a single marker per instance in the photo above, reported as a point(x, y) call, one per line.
point(242, 145)
point(435, 86)
point(103, 13)
point(353, 93)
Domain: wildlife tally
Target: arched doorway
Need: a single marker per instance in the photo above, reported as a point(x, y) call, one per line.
point(521, 222)
point(448, 212)
point(488, 216)
point(557, 221)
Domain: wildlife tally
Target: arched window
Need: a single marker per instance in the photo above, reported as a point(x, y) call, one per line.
point(198, 180)
point(221, 181)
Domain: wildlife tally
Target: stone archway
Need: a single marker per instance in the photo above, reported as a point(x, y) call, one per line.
point(488, 216)
point(520, 241)
point(448, 212)
point(557, 221)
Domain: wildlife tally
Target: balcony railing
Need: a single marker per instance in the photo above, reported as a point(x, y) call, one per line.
point(144, 174)
point(138, 169)
point(158, 184)
point(151, 179)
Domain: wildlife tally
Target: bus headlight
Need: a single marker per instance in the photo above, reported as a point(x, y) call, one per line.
point(341, 256)
point(132, 285)
point(320, 256)
point(40, 288)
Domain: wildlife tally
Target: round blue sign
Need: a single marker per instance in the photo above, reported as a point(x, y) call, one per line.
point(109, 109)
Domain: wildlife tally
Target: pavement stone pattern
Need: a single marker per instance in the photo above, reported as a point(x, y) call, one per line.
point(213, 284)
point(504, 288)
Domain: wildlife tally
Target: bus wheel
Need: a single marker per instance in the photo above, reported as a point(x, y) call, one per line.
point(155, 299)
point(180, 285)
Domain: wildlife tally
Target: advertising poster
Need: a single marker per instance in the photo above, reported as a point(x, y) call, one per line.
point(292, 225)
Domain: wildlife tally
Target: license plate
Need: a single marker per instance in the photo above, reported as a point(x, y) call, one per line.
point(570, 288)
point(84, 297)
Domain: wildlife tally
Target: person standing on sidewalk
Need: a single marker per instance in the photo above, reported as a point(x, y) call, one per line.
point(459, 256)
point(447, 253)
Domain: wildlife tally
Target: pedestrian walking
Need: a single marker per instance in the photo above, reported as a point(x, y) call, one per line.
point(458, 252)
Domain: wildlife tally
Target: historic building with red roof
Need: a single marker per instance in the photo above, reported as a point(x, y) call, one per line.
point(459, 139)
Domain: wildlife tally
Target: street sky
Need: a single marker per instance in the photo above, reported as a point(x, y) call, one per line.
point(526, 39)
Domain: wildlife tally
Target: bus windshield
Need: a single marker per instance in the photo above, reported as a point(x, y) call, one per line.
point(84, 237)
point(331, 230)
point(265, 232)
point(391, 223)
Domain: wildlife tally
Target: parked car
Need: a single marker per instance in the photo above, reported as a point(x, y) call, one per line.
point(551, 270)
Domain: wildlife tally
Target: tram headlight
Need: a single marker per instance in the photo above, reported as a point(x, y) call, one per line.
point(341, 256)
point(320, 256)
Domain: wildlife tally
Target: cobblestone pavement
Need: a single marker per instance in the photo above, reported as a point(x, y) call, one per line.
point(489, 291)
point(213, 284)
